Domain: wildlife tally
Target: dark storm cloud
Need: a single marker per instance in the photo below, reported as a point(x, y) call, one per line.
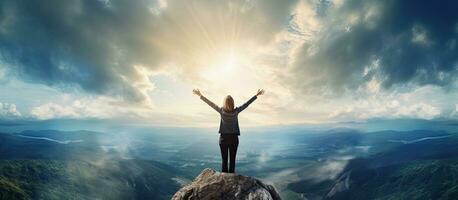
point(76, 43)
point(410, 42)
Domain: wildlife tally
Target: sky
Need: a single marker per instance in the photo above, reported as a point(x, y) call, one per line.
point(319, 61)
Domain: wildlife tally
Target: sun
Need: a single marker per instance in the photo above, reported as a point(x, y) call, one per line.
point(229, 62)
point(224, 64)
point(229, 72)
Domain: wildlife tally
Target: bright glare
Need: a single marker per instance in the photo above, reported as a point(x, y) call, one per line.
point(229, 62)
point(224, 65)
point(229, 72)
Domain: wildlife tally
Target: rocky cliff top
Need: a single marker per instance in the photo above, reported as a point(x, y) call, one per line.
point(211, 184)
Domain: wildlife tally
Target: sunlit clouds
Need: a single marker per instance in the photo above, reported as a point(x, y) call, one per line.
point(319, 61)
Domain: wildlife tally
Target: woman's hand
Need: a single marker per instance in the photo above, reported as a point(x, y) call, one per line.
point(197, 92)
point(260, 92)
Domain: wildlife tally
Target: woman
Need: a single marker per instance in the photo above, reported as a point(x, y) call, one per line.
point(228, 127)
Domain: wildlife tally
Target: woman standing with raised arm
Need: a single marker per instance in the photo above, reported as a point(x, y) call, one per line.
point(228, 127)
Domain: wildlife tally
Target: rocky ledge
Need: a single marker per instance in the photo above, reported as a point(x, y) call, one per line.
point(211, 184)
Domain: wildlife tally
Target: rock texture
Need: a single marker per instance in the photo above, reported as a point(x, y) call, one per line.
point(215, 185)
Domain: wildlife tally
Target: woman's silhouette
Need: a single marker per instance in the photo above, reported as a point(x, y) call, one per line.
point(228, 127)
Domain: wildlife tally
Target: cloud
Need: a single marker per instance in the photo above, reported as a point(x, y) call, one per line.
point(77, 43)
point(9, 111)
point(319, 60)
point(83, 108)
point(412, 42)
point(392, 109)
point(104, 108)
point(104, 47)
point(395, 104)
point(332, 167)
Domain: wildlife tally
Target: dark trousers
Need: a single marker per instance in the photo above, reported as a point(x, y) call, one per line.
point(228, 143)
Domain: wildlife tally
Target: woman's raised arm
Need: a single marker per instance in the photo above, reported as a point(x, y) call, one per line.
point(245, 105)
point(210, 103)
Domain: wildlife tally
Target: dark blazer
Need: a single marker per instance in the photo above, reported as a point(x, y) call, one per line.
point(229, 120)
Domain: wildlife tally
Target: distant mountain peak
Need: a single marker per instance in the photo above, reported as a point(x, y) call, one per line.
point(211, 184)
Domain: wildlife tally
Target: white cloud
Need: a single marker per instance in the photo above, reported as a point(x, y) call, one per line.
point(373, 85)
point(51, 110)
point(419, 110)
point(8, 110)
point(69, 108)
point(330, 168)
point(395, 104)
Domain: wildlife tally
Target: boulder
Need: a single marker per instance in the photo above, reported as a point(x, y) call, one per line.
point(211, 185)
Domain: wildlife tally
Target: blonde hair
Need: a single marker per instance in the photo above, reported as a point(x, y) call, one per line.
point(228, 104)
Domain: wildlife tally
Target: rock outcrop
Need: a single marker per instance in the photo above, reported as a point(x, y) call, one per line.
point(210, 185)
